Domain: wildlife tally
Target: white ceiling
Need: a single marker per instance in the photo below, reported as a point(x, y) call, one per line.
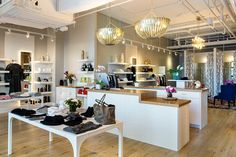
point(176, 10)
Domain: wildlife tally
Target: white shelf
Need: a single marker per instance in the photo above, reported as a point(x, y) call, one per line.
point(82, 95)
point(26, 64)
point(123, 82)
point(86, 72)
point(5, 60)
point(145, 80)
point(3, 83)
point(143, 65)
point(122, 73)
point(26, 89)
point(117, 63)
point(181, 80)
point(42, 62)
point(26, 80)
point(4, 72)
point(46, 93)
point(86, 60)
point(42, 82)
point(42, 72)
point(144, 73)
point(27, 72)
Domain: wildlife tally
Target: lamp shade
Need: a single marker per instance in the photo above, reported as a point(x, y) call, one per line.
point(110, 35)
point(152, 26)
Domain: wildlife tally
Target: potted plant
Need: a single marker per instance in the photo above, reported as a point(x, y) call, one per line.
point(169, 91)
point(69, 77)
point(73, 104)
point(175, 72)
point(99, 84)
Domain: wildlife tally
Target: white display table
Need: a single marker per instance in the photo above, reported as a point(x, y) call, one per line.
point(76, 140)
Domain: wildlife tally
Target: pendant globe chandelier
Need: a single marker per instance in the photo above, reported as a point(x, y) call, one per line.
point(110, 35)
point(198, 42)
point(152, 26)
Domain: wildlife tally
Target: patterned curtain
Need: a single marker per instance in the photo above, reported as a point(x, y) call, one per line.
point(210, 74)
point(189, 65)
point(219, 72)
point(234, 69)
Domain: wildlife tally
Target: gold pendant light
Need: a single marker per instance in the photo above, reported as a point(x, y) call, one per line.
point(152, 26)
point(110, 35)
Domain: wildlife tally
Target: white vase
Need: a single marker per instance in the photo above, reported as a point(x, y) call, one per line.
point(98, 86)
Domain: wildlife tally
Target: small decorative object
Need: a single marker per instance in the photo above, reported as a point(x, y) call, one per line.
point(83, 54)
point(175, 72)
point(198, 84)
point(133, 61)
point(70, 77)
point(47, 57)
point(42, 58)
point(147, 61)
point(73, 104)
point(169, 91)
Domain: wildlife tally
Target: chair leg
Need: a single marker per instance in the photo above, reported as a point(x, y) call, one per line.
point(229, 104)
point(214, 102)
point(221, 101)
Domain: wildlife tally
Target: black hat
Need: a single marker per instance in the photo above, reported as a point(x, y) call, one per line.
point(23, 112)
point(55, 120)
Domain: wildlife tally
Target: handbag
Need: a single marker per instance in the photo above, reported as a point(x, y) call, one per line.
point(104, 113)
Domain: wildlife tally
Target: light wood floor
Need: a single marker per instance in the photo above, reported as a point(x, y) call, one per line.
point(218, 139)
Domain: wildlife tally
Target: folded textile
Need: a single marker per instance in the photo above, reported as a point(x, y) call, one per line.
point(89, 113)
point(5, 97)
point(23, 112)
point(53, 120)
point(53, 111)
point(73, 119)
point(36, 115)
point(43, 109)
point(83, 127)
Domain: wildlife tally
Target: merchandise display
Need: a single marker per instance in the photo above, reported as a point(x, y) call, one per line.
point(83, 127)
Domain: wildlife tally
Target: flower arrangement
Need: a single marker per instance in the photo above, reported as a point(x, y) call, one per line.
point(73, 104)
point(170, 89)
point(98, 81)
point(69, 76)
point(228, 82)
point(175, 72)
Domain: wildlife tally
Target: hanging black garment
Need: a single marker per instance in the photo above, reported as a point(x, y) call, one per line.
point(14, 77)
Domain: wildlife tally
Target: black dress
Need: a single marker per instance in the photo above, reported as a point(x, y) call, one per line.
point(14, 77)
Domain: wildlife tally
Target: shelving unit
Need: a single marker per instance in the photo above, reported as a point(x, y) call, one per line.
point(3, 64)
point(85, 78)
point(119, 69)
point(43, 70)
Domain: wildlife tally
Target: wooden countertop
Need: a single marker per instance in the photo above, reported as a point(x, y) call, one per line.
point(71, 86)
point(146, 97)
point(161, 101)
point(163, 88)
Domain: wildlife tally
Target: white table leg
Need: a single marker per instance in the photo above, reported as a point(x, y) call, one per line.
point(10, 135)
point(120, 143)
point(76, 145)
point(50, 137)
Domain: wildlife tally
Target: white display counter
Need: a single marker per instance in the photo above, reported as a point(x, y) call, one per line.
point(198, 107)
point(147, 118)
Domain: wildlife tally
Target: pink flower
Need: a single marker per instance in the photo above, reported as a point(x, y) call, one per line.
point(170, 89)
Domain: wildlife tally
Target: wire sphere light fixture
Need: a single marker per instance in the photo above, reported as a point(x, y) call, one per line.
point(152, 26)
point(198, 42)
point(110, 35)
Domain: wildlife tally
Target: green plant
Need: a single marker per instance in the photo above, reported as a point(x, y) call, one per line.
point(73, 104)
point(101, 83)
point(178, 69)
